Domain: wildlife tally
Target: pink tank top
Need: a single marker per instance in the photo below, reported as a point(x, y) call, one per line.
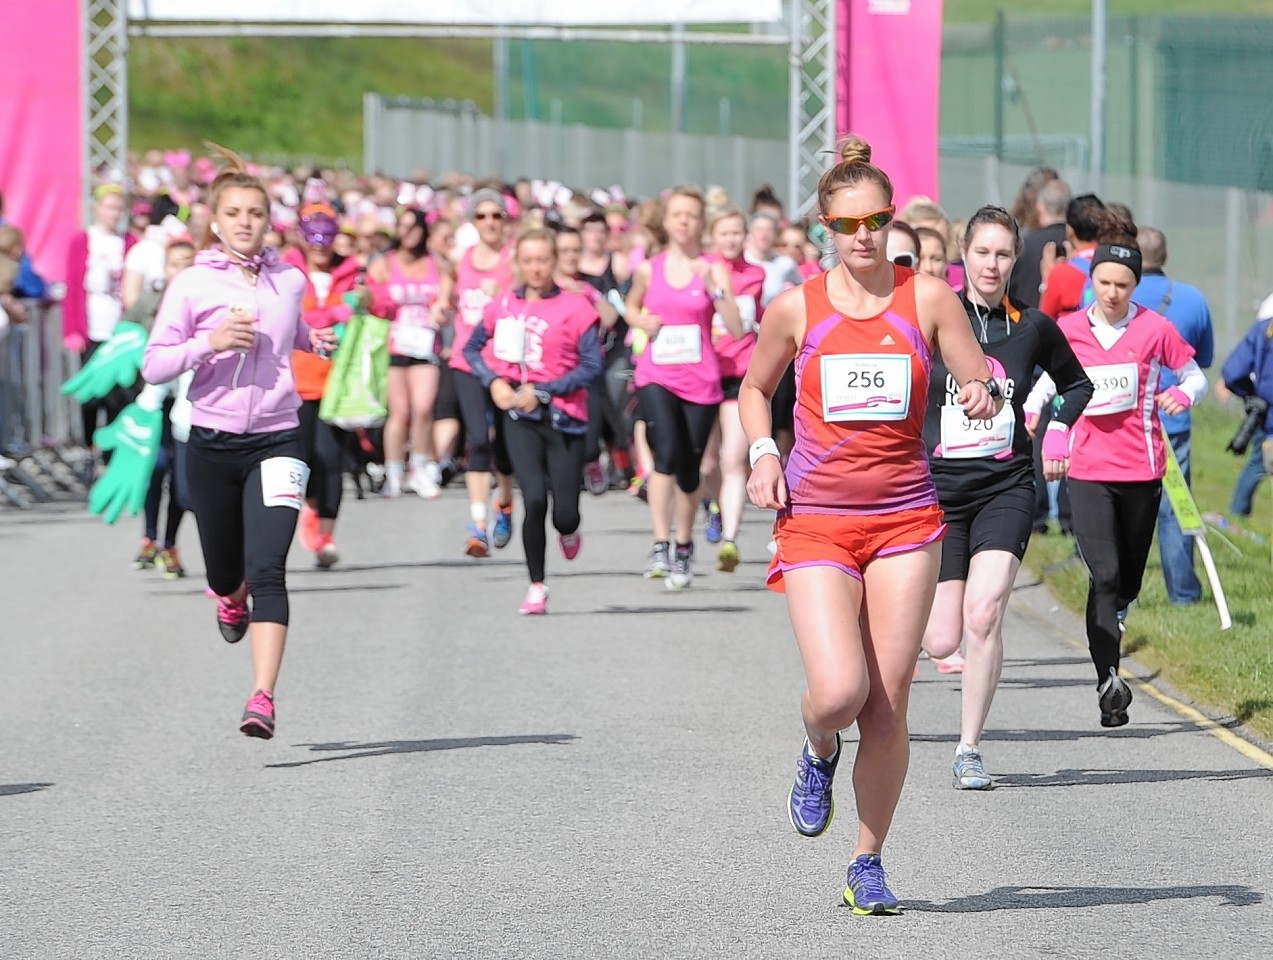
point(412, 333)
point(680, 357)
point(474, 289)
point(748, 282)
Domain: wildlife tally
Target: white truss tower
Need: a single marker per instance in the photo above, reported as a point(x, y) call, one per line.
point(106, 86)
point(812, 73)
point(812, 88)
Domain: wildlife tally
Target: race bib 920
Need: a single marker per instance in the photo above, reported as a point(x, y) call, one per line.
point(865, 386)
point(963, 438)
point(283, 482)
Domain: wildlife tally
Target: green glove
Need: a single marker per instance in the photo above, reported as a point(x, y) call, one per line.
point(134, 437)
point(115, 364)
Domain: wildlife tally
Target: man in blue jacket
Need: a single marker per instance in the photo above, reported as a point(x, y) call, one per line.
point(1186, 307)
point(1248, 373)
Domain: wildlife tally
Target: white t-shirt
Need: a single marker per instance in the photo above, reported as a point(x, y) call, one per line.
point(780, 273)
point(102, 277)
point(147, 258)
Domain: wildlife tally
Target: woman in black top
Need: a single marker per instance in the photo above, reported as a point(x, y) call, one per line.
point(984, 472)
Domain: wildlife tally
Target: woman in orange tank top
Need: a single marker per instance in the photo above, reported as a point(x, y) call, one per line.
point(859, 527)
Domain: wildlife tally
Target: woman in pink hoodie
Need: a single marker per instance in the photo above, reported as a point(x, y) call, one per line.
point(234, 318)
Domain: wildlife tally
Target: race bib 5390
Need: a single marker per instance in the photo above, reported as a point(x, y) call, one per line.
point(1115, 386)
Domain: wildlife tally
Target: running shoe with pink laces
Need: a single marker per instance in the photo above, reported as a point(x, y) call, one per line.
point(595, 479)
point(571, 544)
point(258, 716)
point(952, 664)
point(232, 619)
point(536, 602)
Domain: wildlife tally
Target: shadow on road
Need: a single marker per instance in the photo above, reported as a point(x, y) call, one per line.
point(13, 789)
point(1065, 898)
point(388, 748)
point(348, 588)
point(655, 609)
point(1098, 778)
point(1027, 736)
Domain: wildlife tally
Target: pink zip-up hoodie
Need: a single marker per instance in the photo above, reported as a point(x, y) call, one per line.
point(238, 393)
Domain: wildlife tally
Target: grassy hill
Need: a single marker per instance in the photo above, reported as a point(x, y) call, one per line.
point(304, 97)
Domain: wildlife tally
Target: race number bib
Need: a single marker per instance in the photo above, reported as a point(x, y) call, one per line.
point(965, 439)
point(862, 386)
point(746, 312)
point(411, 334)
point(283, 481)
point(1116, 386)
point(677, 346)
point(509, 344)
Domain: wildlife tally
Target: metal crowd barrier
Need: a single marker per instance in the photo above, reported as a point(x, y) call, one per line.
point(39, 427)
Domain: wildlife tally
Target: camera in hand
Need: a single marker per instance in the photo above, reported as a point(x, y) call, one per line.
point(1256, 409)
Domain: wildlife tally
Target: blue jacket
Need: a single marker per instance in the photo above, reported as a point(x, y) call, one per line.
point(1186, 307)
point(1249, 369)
point(29, 285)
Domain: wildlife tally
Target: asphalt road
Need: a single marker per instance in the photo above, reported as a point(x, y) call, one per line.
point(451, 780)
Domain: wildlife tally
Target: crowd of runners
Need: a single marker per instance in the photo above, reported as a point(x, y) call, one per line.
point(913, 398)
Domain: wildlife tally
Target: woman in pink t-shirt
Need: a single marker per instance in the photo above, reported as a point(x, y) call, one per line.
point(484, 273)
point(673, 298)
point(725, 461)
point(536, 351)
point(1118, 457)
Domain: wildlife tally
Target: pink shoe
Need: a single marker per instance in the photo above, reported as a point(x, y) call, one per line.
point(571, 544)
point(258, 716)
point(536, 602)
point(307, 528)
point(952, 664)
point(232, 619)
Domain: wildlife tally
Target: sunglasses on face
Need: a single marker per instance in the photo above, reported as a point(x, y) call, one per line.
point(875, 220)
point(488, 216)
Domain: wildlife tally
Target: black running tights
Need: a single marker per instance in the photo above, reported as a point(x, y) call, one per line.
point(324, 447)
point(677, 432)
point(242, 538)
point(545, 461)
point(1114, 528)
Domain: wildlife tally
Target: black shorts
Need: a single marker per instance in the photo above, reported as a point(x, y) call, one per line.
point(730, 387)
point(783, 405)
point(1002, 521)
point(396, 361)
point(447, 405)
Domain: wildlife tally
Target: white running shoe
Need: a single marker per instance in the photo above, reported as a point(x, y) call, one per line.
point(423, 485)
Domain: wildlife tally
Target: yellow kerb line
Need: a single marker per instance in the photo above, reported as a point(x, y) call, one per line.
point(1222, 733)
point(1203, 722)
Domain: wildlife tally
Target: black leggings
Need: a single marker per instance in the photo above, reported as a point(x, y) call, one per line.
point(545, 460)
point(165, 467)
point(242, 538)
point(1113, 527)
point(110, 405)
point(475, 413)
point(677, 432)
point(607, 400)
point(324, 450)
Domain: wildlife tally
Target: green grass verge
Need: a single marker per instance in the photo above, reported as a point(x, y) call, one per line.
point(977, 11)
point(1229, 671)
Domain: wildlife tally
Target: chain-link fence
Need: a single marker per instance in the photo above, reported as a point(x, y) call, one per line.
point(1186, 97)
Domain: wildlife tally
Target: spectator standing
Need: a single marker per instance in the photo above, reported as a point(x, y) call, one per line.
point(1186, 307)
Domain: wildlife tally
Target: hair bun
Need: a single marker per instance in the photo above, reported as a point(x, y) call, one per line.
point(853, 149)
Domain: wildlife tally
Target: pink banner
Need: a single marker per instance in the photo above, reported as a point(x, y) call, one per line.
point(42, 126)
point(889, 85)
